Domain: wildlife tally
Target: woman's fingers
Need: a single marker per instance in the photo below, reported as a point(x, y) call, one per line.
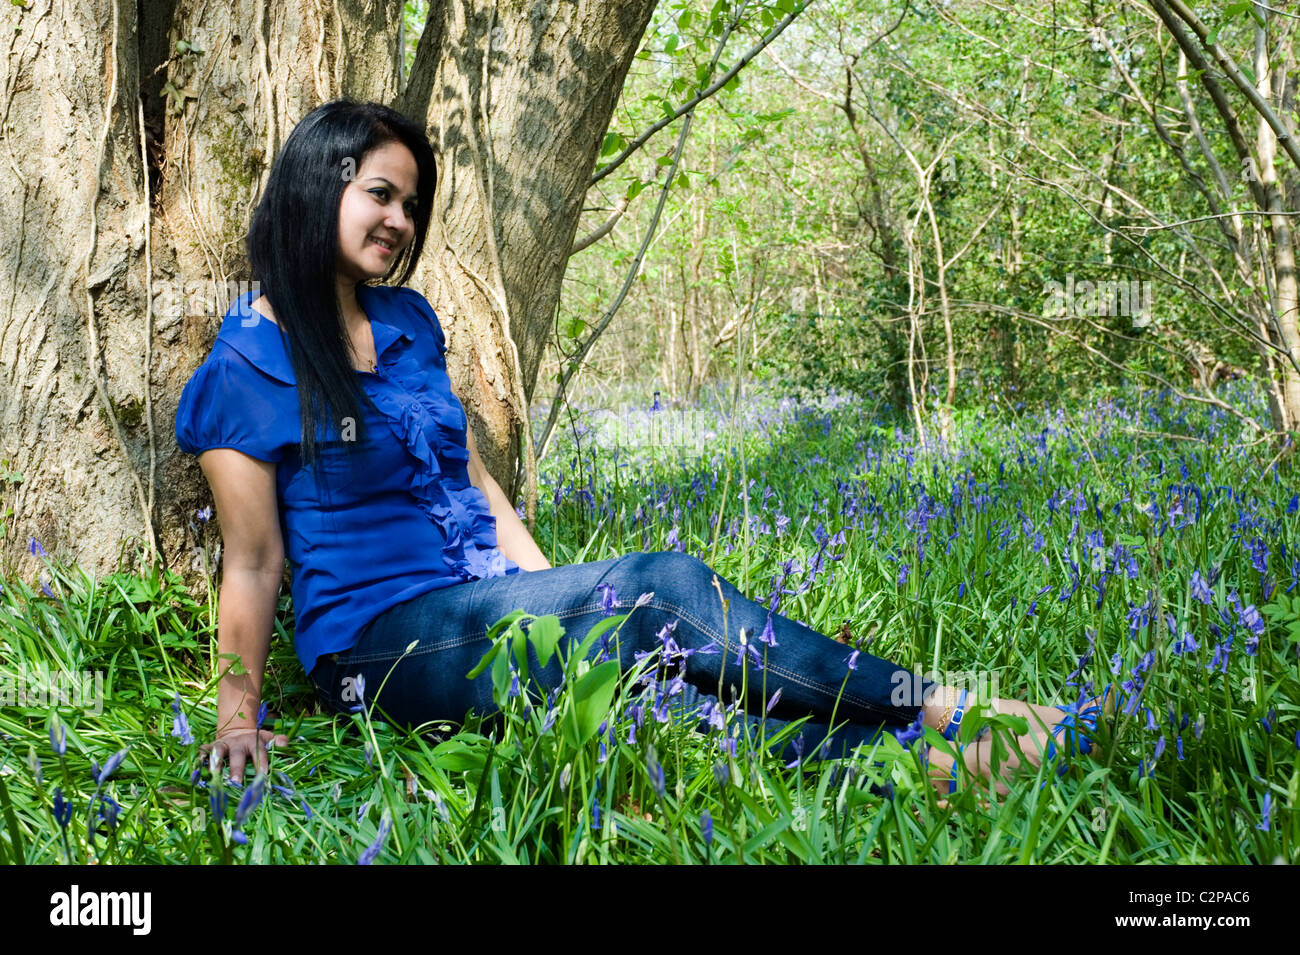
point(240, 749)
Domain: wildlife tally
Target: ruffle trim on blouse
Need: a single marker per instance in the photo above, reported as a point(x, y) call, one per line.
point(458, 508)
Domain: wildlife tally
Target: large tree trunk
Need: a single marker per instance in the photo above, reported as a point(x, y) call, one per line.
point(107, 249)
point(517, 136)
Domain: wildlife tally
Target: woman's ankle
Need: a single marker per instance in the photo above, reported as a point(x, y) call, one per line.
point(941, 704)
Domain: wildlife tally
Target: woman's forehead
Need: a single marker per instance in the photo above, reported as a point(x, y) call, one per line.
point(391, 161)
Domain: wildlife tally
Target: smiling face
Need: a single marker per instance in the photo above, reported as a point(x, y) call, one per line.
point(376, 213)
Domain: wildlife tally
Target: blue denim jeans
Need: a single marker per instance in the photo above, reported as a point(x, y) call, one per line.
point(449, 627)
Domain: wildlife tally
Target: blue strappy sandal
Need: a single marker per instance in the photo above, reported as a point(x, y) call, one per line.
point(950, 733)
point(1078, 722)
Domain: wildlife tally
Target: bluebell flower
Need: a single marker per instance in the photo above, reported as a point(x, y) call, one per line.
point(745, 649)
point(59, 739)
point(1269, 720)
point(34, 546)
point(237, 836)
point(1251, 620)
point(372, 851)
point(720, 773)
point(711, 712)
point(660, 709)
point(1220, 658)
point(110, 767)
point(251, 798)
point(359, 689)
point(1116, 664)
point(655, 771)
point(656, 406)
point(180, 725)
point(217, 800)
point(914, 731)
point(62, 809)
point(1187, 644)
point(772, 701)
point(1178, 742)
point(706, 827)
point(797, 743)
point(107, 813)
point(853, 660)
point(1160, 748)
point(1200, 589)
point(261, 714)
point(205, 514)
point(1151, 720)
point(768, 636)
point(902, 575)
point(1265, 811)
point(608, 599)
point(1259, 555)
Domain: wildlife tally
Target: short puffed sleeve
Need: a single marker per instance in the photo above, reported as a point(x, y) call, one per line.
point(421, 305)
point(228, 403)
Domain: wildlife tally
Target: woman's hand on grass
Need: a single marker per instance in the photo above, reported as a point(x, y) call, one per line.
point(241, 745)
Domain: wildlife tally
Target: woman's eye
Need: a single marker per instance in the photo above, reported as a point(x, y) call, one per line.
point(376, 192)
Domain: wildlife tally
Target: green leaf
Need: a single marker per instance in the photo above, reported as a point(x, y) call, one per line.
point(520, 643)
point(545, 632)
point(11, 823)
point(501, 678)
point(504, 622)
point(634, 189)
point(684, 20)
point(456, 755)
point(671, 45)
point(592, 694)
point(483, 663)
point(595, 633)
point(766, 16)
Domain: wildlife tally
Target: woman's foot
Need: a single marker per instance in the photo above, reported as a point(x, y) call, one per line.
point(978, 753)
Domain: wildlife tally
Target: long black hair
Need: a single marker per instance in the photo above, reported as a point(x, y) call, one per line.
point(293, 245)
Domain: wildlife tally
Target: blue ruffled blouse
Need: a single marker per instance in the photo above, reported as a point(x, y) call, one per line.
point(361, 535)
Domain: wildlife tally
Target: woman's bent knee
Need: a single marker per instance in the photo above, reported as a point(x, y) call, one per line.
point(662, 572)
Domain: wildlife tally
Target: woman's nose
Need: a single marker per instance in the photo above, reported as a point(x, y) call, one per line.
point(398, 219)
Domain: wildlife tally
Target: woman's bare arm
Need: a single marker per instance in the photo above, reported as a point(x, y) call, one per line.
point(512, 537)
point(252, 567)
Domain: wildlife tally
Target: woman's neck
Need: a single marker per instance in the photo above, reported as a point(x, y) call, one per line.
point(354, 317)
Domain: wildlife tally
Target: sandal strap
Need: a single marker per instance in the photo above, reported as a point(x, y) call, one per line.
point(954, 722)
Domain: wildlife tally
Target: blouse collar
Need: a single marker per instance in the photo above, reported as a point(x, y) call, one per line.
point(266, 346)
